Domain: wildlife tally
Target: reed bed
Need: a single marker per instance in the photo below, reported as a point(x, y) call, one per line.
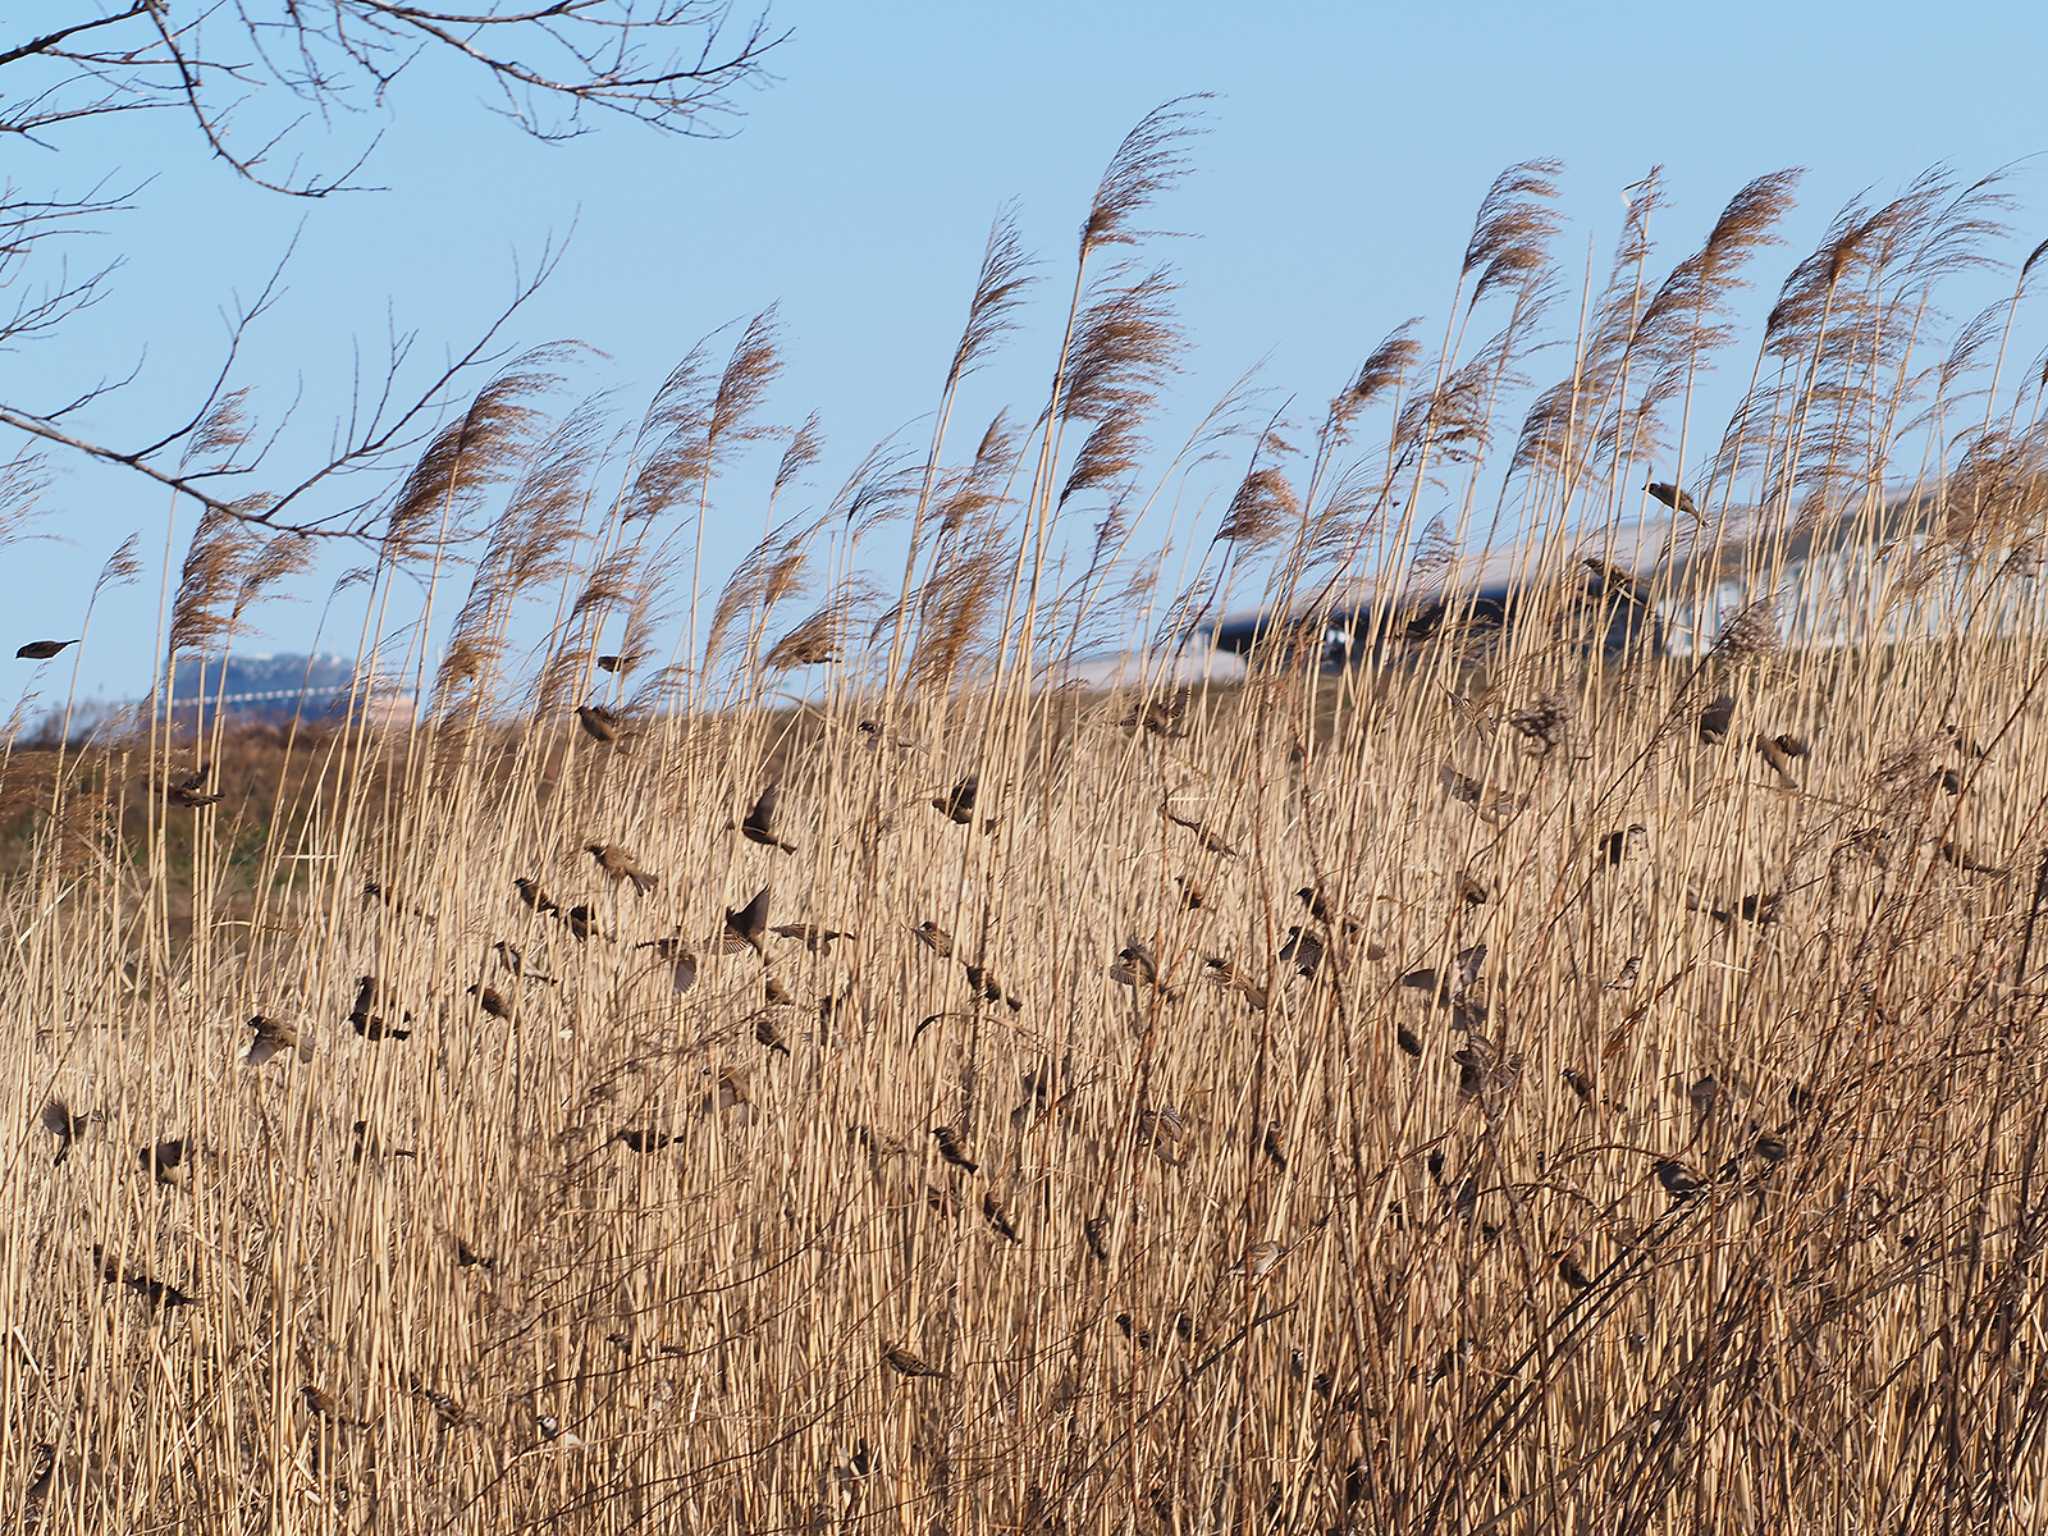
point(1496, 1087)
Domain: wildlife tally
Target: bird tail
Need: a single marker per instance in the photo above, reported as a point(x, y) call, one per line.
point(642, 881)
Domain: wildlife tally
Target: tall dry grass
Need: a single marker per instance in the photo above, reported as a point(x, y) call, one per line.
point(1490, 1090)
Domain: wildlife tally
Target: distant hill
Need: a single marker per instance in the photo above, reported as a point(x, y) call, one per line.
point(266, 687)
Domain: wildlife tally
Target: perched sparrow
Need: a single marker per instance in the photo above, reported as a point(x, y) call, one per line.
point(1274, 1145)
point(1616, 846)
point(988, 989)
point(618, 664)
point(745, 927)
point(1716, 720)
point(66, 1124)
point(644, 1139)
point(599, 723)
point(1406, 1038)
point(767, 1034)
point(534, 896)
point(1259, 1261)
point(1227, 976)
point(491, 1001)
point(1135, 966)
point(1779, 759)
point(273, 1038)
point(1568, 1269)
point(1209, 840)
point(904, 1363)
point(760, 821)
point(1674, 498)
point(369, 1144)
point(467, 1257)
point(958, 806)
point(583, 923)
point(619, 864)
point(155, 1291)
point(1580, 1084)
point(323, 1406)
point(1679, 1181)
point(1192, 896)
point(1303, 950)
point(951, 1150)
point(42, 650)
point(1950, 854)
point(167, 1162)
point(515, 962)
point(998, 1219)
point(369, 1025)
point(1096, 1230)
point(934, 938)
point(1626, 977)
point(190, 792)
point(1469, 890)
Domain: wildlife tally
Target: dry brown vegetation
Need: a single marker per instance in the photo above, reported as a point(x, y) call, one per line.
point(1489, 1090)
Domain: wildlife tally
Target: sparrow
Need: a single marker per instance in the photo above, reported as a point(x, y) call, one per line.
point(491, 1001)
point(369, 1144)
point(534, 896)
point(1259, 1261)
point(1406, 1038)
point(744, 928)
point(512, 960)
point(760, 821)
point(1679, 1181)
point(988, 989)
point(951, 1150)
point(998, 1219)
point(1192, 896)
point(1469, 890)
point(904, 1363)
point(1611, 580)
point(618, 664)
point(167, 1162)
point(156, 1291)
point(1136, 965)
point(1569, 1271)
point(1716, 719)
point(817, 940)
point(683, 964)
point(1274, 1145)
point(62, 1122)
point(1625, 978)
point(583, 923)
point(958, 806)
point(1319, 908)
point(1779, 759)
point(619, 864)
point(1616, 846)
point(272, 1038)
point(322, 1406)
point(934, 938)
point(1209, 840)
point(1303, 950)
point(42, 650)
point(1162, 716)
point(644, 1139)
point(190, 792)
point(1674, 498)
point(1096, 1230)
point(467, 1257)
point(369, 1025)
point(1227, 976)
point(1951, 854)
point(767, 1034)
point(599, 723)
point(1580, 1085)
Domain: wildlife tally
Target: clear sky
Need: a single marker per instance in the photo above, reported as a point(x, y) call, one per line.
point(1333, 194)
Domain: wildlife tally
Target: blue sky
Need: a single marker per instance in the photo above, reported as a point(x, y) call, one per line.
point(1332, 197)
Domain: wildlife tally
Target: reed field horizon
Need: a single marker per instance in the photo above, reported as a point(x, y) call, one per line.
point(760, 1050)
